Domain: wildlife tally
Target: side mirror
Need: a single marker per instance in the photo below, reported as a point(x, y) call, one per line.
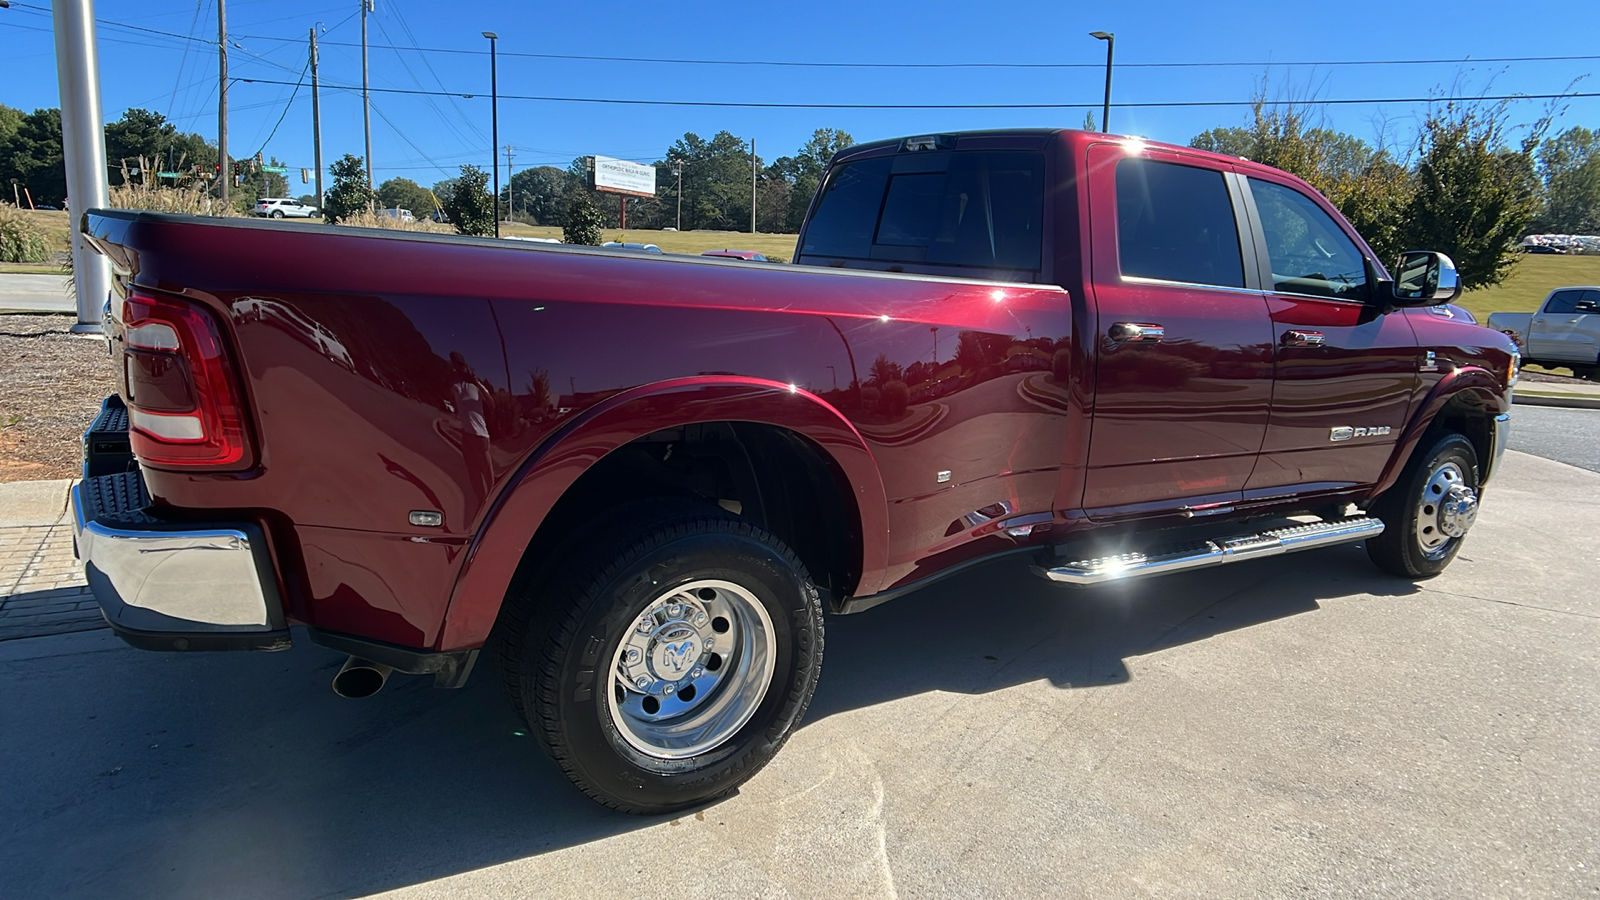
point(1586, 306)
point(1424, 278)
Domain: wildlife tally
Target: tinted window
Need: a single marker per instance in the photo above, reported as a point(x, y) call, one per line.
point(1310, 253)
point(1176, 223)
point(974, 209)
point(1565, 302)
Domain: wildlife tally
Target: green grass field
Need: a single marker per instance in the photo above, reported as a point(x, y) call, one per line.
point(773, 246)
point(1531, 281)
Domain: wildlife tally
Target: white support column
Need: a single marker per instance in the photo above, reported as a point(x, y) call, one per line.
point(84, 144)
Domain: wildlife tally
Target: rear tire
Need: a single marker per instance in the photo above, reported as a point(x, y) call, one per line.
point(1428, 511)
point(277, 214)
point(678, 657)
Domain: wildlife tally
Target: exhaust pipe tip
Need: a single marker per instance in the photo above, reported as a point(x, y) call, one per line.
point(359, 678)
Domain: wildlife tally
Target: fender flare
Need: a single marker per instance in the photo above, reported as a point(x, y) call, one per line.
point(546, 474)
point(1475, 381)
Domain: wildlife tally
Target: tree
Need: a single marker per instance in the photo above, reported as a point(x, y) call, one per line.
point(10, 121)
point(1474, 197)
point(539, 193)
point(32, 156)
point(470, 208)
point(139, 134)
point(1570, 166)
point(582, 225)
point(403, 193)
point(349, 194)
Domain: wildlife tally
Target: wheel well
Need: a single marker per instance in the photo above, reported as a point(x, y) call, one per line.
point(774, 477)
point(1467, 414)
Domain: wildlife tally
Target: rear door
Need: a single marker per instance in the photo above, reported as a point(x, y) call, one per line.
point(1183, 343)
point(1345, 373)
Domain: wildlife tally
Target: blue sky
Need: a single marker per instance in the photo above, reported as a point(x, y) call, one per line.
point(179, 78)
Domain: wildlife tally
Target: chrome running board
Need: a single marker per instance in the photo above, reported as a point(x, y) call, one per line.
point(1215, 552)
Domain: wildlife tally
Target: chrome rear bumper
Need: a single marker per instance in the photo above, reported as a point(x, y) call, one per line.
point(174, 586)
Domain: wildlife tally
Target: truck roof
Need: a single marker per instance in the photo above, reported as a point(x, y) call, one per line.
point(1074, 136)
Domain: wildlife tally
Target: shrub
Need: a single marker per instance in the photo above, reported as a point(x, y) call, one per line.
point(582, 221)
point(469, 206)
point(21, 238)
point(350, 194)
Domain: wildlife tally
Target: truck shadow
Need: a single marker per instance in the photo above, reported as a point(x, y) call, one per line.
point(177, 775)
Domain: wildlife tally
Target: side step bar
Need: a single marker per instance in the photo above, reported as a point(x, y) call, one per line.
point(1201, 554)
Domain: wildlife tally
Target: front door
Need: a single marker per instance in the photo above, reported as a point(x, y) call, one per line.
point(1345, 373)
point(1565, 329)
point(1183, 343)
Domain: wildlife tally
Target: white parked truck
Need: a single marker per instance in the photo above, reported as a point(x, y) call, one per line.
point(1564, 332)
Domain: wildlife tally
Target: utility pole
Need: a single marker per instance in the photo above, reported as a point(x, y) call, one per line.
point(678, 171)
point(494, 123)
point(316, 117)
point(224, 170)
point(366, 96)
point(84, 148)
point(511, 179)
point(752, 185)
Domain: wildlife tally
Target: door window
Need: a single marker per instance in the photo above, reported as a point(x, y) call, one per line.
point(1175, 223)
point(1310, 253)
point(1565, 302)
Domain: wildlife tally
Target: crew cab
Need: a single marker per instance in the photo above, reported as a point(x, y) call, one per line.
point(635, 482)
point(1564, 332)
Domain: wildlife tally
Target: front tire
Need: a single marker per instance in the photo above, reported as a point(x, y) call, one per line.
point(680, 658)
point(1427, 513)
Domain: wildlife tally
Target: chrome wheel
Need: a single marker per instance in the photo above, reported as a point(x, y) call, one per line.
point(692, 669)
point(1447, 508)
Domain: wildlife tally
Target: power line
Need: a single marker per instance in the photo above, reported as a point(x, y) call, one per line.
point(1175, 104)
point(1256, 64)
point(965, 65)
point(286, 107)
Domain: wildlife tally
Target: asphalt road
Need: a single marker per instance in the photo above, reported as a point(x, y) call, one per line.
point(35, 293)
point(1301, 726)
point(1571, 436)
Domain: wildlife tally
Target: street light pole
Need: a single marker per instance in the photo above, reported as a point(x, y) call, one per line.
point(84, 147)
point(1111, 44)
point(494, 124)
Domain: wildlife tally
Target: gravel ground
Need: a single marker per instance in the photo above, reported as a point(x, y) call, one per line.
point(51, 385)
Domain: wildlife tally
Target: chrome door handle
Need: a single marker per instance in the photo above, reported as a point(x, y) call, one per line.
point(1137, 333)
point(1296, 338)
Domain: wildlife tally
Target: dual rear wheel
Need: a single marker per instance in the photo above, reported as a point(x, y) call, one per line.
point(670, 661)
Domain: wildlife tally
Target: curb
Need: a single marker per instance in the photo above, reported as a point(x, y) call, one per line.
point(1568, 401)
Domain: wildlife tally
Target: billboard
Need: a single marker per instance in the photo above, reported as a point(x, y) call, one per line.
point(618, 176)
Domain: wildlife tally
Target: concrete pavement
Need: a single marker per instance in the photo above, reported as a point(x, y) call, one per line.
point(42, 587)
point(1296, 726)
point(35, 293)
point(1573, 396)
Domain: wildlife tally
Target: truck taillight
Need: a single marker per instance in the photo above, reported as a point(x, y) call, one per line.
point(184, 404)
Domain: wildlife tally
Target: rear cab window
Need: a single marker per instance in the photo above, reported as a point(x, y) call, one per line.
point(1176, 223)
point(973, 213)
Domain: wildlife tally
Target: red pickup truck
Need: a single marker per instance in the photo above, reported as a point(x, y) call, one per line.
point(638, 481)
